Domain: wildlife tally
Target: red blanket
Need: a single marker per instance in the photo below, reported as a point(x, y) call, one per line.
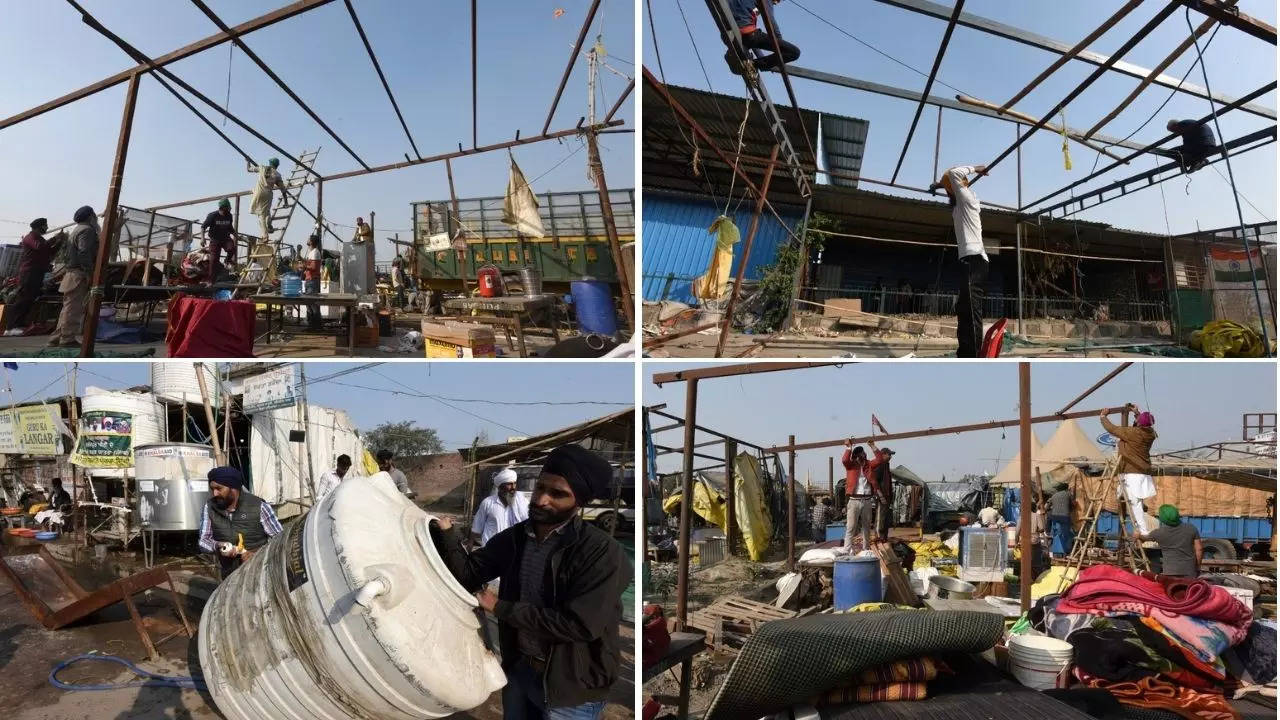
point(1103, 587)
point(202, 328)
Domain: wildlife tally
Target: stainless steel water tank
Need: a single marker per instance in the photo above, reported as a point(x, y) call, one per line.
point(349, 613)
point(173, 484)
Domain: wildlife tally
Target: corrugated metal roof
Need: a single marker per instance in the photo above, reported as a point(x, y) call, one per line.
point(844, 142)
point(677, 246)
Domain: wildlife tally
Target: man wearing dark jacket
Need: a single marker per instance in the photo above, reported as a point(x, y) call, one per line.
point(559, 598)
point(745, 16)
point(36, 258)
point(1198, 144)
point(82, 255)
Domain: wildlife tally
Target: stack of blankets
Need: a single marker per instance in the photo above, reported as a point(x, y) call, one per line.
point(1159, 642)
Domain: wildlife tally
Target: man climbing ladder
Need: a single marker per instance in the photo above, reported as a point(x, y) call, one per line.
point(746, 16)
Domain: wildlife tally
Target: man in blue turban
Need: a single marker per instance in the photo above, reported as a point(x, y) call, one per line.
point(235, 522)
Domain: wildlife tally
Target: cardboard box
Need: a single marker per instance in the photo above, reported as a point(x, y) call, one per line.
point(840, 306)
point(457, 340)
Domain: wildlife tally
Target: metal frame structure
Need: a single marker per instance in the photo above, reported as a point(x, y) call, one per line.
point(1218, 10)
point(691, 377)
point(157, 67)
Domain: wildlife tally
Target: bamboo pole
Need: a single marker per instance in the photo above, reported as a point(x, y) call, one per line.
point(218, 454)
point(1083, 140)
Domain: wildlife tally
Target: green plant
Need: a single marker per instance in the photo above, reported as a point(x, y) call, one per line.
point(778, 280)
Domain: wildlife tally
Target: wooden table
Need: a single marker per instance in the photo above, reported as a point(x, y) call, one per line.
point(508, 312)
point(684, 646)
point(342, 300)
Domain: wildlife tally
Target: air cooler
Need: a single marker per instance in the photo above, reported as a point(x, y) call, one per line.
point(984, 554)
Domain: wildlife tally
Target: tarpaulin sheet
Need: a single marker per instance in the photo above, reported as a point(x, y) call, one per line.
point(203, 328)
point(789, 661)
point(279, 467)
point(1191, 495)
point(750, 511)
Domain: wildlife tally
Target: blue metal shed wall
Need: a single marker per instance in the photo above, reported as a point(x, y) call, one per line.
point(677, 246)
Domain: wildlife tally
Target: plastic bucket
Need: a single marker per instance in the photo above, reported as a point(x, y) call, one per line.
point(593, 306)
point(1036, 675)
point(1037, 660)
point(857, 581)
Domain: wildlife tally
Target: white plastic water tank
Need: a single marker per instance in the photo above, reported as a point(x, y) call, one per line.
point(176, 382)
point(150, 423)
point(349, 613)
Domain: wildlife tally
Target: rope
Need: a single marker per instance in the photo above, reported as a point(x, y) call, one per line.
point(940, 245)
point(149, 679)
point(737, 155)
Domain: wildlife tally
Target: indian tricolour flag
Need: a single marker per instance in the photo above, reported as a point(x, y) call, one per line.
point(1233, 283)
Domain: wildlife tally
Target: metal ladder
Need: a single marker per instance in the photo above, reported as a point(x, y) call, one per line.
point(724, 20)
point(1129, 551)
point(260, 264)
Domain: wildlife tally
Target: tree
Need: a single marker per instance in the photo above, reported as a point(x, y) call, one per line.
point(403, 439)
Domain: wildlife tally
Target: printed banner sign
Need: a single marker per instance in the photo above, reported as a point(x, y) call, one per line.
point(29, 430)
point(271, 390)
point(105, 440)
point(437, 242)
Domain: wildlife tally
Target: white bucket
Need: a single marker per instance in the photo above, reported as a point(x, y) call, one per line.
point(1037, 660)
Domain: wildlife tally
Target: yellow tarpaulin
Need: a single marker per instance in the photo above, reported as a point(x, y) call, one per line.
point(752, 516)
point(711, 284)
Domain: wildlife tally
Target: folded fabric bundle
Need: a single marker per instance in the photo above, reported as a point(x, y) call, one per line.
point(879, 692)
point(1114, 655)
point(1204, 640)
point(1157, 694)
point(1103, 587)
point(904, 671)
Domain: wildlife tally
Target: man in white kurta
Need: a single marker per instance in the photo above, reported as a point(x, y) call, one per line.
point(500, 510)
point(268, 179)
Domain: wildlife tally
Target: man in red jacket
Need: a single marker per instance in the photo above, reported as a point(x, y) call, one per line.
point(858, 488)
point(36, 258)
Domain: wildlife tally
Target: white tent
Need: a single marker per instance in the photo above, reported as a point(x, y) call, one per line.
point(1069, 444)
point(1011, 474)
point(279, 468)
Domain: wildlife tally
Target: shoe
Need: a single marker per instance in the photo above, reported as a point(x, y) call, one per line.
point(731, 60)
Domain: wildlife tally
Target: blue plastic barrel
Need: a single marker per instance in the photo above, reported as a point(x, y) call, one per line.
point(857, 581)
point(291, 284)
point(835, 531)
point(593, 306)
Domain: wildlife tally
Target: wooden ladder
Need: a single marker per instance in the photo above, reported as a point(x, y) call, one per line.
point(1129, 551)
point(260, 264)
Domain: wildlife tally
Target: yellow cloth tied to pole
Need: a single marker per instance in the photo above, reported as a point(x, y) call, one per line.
point(711, 285)
point(1066, 154)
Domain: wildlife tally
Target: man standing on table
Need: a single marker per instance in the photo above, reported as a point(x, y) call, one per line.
point(559, 601)
point(882, 485)
point(35, 261)
point(235, 522)
point(966, 216)
point(860, 506)
point(220, 236)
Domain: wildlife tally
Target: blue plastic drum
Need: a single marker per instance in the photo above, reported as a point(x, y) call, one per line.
point(593, 306)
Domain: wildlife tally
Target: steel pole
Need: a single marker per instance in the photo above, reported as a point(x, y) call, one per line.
point(686, 504)
point(730, 493)
point(761, 198)
point(791, 507)
point(111, 214)
point(611, 229)
point(1018, 220)
point(1024, 507)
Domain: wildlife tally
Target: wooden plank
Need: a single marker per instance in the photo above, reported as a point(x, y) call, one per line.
point(898, 589)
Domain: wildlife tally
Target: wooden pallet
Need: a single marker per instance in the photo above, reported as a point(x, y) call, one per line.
point(731, 620)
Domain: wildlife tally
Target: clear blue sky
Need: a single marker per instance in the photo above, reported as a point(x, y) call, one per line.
point(994, 69)
point(1195, 403)
point(62, 159)
point(606, 383)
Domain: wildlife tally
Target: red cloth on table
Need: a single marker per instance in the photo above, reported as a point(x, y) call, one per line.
point(1103, 587)
point(203, 328)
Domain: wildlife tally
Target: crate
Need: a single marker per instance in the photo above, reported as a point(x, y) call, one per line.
point(457, 340)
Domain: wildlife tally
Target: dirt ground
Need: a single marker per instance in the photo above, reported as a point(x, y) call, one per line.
point(28, 652)
point(895, 346)
point(294, 344)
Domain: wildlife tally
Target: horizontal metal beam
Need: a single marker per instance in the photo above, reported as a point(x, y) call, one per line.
point(1128, 45)
point(239, 42)
point(1026, 37)
point(659, 410)
point(1225, 13)
point(411, 163)
point(1237, 104)
point(1092, 388)
point(952, 430)
point(937, 100)
point(243, 28)
point(1268, 133)
point(720, 371)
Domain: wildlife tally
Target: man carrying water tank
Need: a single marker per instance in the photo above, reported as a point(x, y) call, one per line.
point(397, 475)
point(235, 522)
point(559, 601)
